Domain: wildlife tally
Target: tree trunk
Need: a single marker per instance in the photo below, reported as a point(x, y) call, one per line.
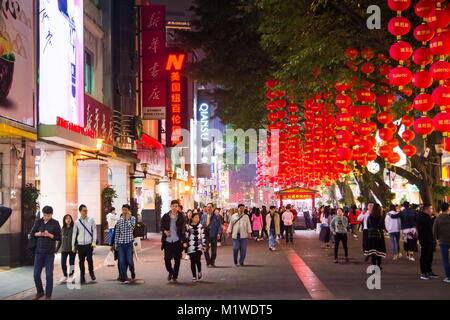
point(346, 192)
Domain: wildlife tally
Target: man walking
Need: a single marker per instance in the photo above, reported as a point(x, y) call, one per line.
point(273, 227)
point(213, 227)
point(441, 231)
point(288, 221)
point(173, 237)
point(123, 242)
point(84, 240)
point(112, 219)
point(46, 232)
point(240, 229)
point(425, 220)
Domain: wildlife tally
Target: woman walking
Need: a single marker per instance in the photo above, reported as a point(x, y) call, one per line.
point(288, 221)
point(354, 223)
point(195, 243)
point(376, 246)
point(66, 248)
point(325, 233)
point(393, 228)
point(257, 225)
point(338, 227)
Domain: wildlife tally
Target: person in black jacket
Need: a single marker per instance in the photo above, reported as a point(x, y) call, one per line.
point(46, 232)
point(173, 227)
point(425, 221)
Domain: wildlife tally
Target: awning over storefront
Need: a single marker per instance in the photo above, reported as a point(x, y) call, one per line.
point(151, 154)
point(67, 137)
point(9, 131)
point(297, 194)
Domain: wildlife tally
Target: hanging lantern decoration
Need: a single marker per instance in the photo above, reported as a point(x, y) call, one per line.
point(441, 96)
point(408, 135)
point(394, 158)
point(438, 18)
point(440, 70)
point(367, 53)
point(423, 8)
point(386, 134)
point(400, 76)
point(271, 83)
point(351, 53)
point(385, 151)
point(399, 5)
point(399, 26)
point(446, 144)
point(424, 33)
point(423, 126)
point(401, 51)
point(441, 122)
point(423, 102)
point(422, 57)
point(368, 68)
point(422, 80)
point(409, 150)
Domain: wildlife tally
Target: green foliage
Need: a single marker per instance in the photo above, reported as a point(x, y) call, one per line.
point(362, 199)
point(158, 204)
point(389, 196)
point(108, 195)
point(440, 191)
point(30, 198)
point(9, 56)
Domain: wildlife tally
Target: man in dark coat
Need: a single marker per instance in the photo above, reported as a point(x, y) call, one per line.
point(425, 221)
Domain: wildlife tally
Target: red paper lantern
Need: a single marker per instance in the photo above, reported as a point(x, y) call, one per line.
point(365, 96)
point(385, 151)
point(363, 162)
point(366, 129)
point(272, 83)
point(293, 119)
point(386, 134)
point(399, 26)
point(273, 116)
point(282, 114)
point(343, 101)
point(292, 108)
point(399, 5)
point(392, 126)
point(407, 121)
point(423, 102)
point(424, 33)
point(343, 86)
point(442, 122)
point(344, 154)
point(351, 53)
point(441, 96)
point(271, 106)
point(423, 8)
point(393, 143)
point(438, 18)
point(409, 150)
point(385, 69)
point(386, 100)
point(367, 53)
point(368, 67)
point(385, 117)
point(270, 95)
point(281, 125)
point(423, 126)
point(440, 70)
point(344, 120)
point(364, 112)
point(344, 136)
point(394, 158)
point(408, 135)
point(440, 45)
point(422, 56)
point(401, 51)
point(280, 93)
point(400, 76)
point(371, 156)
point(281, 103)
point(422, 80)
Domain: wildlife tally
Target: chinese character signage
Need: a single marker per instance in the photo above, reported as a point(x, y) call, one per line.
point(16, 61)
point(176, 96)
point(61, 56)
point(153, 60)
point(98, 118)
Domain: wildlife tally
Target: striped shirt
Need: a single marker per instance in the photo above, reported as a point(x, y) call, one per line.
point(124, 230)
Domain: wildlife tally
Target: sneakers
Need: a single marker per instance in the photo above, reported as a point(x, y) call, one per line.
point(424, 277)
point(446, 280)
point(133, 275)
point(432, 275)
point(194, 279)
point(63, 280)
point(199, 276)
point(395, 257)
point(169, 277)
point(335, 261)
point(93, 276)
point(412, 258)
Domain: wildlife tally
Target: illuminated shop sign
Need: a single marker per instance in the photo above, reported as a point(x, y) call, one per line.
point(175, 63)
point(60, 122)
point(203, 112)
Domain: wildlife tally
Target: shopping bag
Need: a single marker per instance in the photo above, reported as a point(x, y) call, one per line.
point(137, 244)
point(109, 260)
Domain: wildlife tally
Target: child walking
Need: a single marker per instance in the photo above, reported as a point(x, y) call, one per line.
point(195, 244)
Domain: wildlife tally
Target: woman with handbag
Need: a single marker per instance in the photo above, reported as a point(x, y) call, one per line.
point(376, 245)
point(325, 233)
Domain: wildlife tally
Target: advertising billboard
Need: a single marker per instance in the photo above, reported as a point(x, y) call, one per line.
point(61, 83)
point(16, 61)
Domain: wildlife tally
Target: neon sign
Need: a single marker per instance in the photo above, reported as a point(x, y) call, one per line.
point(175, 63)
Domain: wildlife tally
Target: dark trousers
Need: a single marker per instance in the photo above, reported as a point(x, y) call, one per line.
point(196, 264)
point(338, 238)
point(289, 233)
point(173, 251)
point(426, 257)
point(125, 260)
point(211, 243)
point(308, 223)
point(85, 253)
point(264, 232)
point(42, 260)
point(376, 260)
point(71, 256)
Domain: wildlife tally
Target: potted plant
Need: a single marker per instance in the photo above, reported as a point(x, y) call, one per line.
point(30, 196)
point(108, 196)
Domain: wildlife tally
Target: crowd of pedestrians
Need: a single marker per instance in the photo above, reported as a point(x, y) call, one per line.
point(201, 231)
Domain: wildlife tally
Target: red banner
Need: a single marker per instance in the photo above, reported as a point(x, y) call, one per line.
point(153, 68)
point(98, 117)
point(153, 17)
point(154, 94)
point(153, 43)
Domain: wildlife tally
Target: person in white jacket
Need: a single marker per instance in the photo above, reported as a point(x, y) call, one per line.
point(393, 227)
point(240, 229)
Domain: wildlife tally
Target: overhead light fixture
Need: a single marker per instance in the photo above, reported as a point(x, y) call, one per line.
point(99, 144)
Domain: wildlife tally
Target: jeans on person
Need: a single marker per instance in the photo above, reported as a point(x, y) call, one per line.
point(85, 253)
point(196, 263)
point(71, 256)
point(173, 251)
point(395, 242)
point(211, 243)
point(308, 223)
point(340, 237)
point(42, 260)
point(272, 239)
point(445, 262)
point(111, 232)
point(239, 245)
point(125, 259)
point(289, 233)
